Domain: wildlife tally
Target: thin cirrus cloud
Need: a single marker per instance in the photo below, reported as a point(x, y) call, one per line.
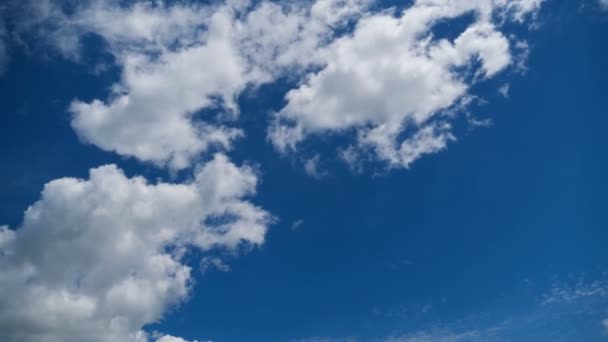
point(569, 311)
point(98, 259)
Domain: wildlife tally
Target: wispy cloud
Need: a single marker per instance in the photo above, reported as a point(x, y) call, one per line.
point(569, 311)
point(297, 224)
point(312, 166)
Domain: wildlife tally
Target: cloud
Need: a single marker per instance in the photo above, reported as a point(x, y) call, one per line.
point(297, 224)
point(568, 293)
point(181, 59)
point(184, 65)
point(391, 75)
point(96, 260)
point(168, 338)
point(604, 4)
point(605, 325)
point(150, 114)
point(313, 168)
point(210, 262)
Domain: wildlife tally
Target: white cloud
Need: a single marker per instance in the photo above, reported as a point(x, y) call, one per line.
point(576, 307)
point(569, 293)
point(604, 4)
point(388, 77)
point(312, 167)
point(150, 113)
point(213, 262)
point(504, 90)
point(168, 338)
point(180, 59)
point(98, 259)
point(297, 224)
point(428, 139)
point(519, 9)
point(391, 75)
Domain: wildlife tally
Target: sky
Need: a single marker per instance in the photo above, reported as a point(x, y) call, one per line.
point(303, 171)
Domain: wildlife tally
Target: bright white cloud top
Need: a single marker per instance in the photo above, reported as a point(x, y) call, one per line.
point(98, 259)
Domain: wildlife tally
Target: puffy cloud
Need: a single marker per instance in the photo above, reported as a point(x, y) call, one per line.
point(388, 76)
point(150, 113)
point(216, 263)
point(180, 59)
point(391, 75)
point(98, 259)
point(151, 117)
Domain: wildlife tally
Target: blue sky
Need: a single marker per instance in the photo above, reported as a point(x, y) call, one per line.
point(324, 181)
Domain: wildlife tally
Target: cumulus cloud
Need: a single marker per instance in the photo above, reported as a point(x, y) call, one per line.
point(391, 75)
point(98, 259)
point(150, 114)
point(386, 80)
point(180, 59)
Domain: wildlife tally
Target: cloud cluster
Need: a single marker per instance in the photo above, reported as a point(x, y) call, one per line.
point(180, 60)
point(391, 75)
point(386, 76)
point(98, 259)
